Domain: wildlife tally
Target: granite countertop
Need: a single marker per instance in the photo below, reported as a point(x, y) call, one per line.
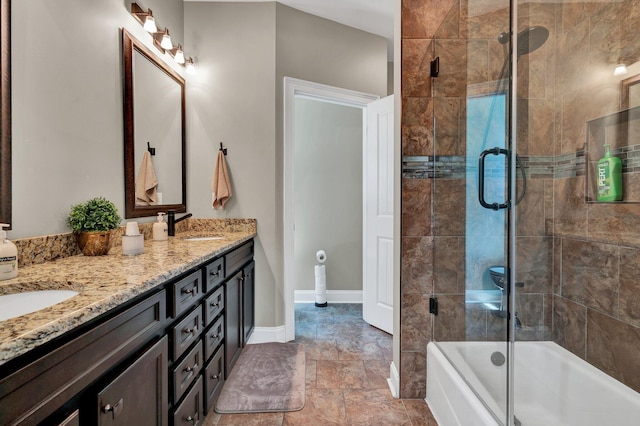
point(103, 283)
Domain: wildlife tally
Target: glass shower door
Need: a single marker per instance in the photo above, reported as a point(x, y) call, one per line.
point(472, 189)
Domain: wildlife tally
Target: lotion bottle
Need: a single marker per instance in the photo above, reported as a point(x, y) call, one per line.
point(8, 256)
point(160, 229)
point(609, 177)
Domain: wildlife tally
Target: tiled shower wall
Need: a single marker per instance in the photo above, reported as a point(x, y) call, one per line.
point(579, 262)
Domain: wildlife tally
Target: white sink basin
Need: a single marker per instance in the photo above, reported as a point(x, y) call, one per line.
point(16, 304)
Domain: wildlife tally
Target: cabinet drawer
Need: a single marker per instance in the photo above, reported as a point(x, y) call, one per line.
point(213, 337)
point(184, 333)
point(235, 259)
point(214, 274)
point(213, 305)
point(184, 373)
point(185, 293)
point(190, 411)
point(213, 379)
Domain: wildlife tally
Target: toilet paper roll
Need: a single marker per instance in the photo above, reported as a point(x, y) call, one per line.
point(321, 256)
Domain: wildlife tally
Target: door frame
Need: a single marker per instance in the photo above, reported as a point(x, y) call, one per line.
point(306, 89)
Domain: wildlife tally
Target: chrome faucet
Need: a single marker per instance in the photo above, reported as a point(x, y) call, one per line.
point(171, 221)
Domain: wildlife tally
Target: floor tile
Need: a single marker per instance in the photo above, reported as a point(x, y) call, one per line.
point(347, 366)
point(374, 407)
point(322, 407)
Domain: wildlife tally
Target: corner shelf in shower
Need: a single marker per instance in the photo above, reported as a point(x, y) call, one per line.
point(621, 130)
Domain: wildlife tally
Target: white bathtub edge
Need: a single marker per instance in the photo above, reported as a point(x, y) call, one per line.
point(450, 399)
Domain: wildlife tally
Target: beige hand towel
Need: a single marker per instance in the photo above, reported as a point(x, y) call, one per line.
point(220, 185)
point(146, 183)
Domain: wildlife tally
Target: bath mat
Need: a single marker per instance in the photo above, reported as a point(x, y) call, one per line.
point(267, 377)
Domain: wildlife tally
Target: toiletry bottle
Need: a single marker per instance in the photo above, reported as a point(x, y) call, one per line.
point(609, 177)
point(8, 256)
point(160, 229)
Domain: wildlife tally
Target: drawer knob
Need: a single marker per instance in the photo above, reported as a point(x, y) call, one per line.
point(215, 377)
point(189, 291)
point(190, 419)
point(214, 336)
point(190, 369)
point(215, 304)
point(190, 330)
point(215, 273)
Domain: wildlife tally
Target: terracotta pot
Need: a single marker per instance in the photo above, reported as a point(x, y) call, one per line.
point(94, 243)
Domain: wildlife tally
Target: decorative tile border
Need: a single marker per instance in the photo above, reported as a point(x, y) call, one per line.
point(536, 167)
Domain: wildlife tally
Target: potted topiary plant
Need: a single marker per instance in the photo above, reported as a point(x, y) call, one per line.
point(92, 222)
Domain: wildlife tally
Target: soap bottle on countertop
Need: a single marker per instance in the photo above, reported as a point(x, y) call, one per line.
point(160, 229)
point(609, 177)
point(8, 256)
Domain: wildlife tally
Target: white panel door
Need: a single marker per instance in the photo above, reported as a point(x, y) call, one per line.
point(378, 213)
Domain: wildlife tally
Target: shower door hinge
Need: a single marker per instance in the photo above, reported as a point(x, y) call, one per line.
point(435, 67)
point(433, 305)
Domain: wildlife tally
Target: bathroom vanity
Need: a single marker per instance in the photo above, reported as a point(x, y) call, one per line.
point(148, 340)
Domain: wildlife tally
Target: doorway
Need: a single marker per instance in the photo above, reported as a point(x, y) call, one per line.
point(294, 90)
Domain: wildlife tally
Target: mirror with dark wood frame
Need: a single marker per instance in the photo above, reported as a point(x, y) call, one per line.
point(154, 120)
point(5, 111)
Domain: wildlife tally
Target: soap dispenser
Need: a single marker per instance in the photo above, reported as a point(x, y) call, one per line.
point(609, 177)
point(160, 229)
point(8, 256)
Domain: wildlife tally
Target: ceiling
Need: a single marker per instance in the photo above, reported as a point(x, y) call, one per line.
point(373, 16)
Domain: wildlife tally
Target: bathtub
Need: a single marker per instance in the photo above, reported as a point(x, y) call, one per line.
point(552, 387)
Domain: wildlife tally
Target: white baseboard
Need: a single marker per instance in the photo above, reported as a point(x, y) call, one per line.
point(333, 296)
point(394, 381)
point(267, 334)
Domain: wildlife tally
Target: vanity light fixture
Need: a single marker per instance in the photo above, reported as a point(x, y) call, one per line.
point(146, 19)
point(150, 23)
point(178, 54)
point(190, 66)
point(621, 69)
point(165, 38)
point(161, 38)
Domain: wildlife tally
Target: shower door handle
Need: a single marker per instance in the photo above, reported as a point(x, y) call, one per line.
point(483, 202)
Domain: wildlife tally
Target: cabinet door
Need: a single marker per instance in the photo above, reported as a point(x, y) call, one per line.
point(139, 395)
point(232, 321)
point(248, 302)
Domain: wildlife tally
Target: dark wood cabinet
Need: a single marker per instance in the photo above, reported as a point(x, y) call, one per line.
point(138, 396)
point(160, 359)
point(248, 302)
point(233, 321)
point(35, 391)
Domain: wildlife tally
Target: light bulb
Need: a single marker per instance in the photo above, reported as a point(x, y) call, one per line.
point(166, 41)
point(190, 67)
point(621, 69)
point(179, 56)
point(150, 24)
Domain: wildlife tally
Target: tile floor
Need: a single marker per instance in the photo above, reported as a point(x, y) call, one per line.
point(347, 364)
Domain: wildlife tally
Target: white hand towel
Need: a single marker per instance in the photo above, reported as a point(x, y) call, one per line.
point(220, 185)
point(146, 183)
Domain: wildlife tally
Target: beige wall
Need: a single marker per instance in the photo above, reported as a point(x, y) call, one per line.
point(244, 50)
point(328, 193)
point(67, 106)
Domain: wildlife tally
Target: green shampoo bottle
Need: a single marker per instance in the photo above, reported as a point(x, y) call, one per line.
point(609, 177)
